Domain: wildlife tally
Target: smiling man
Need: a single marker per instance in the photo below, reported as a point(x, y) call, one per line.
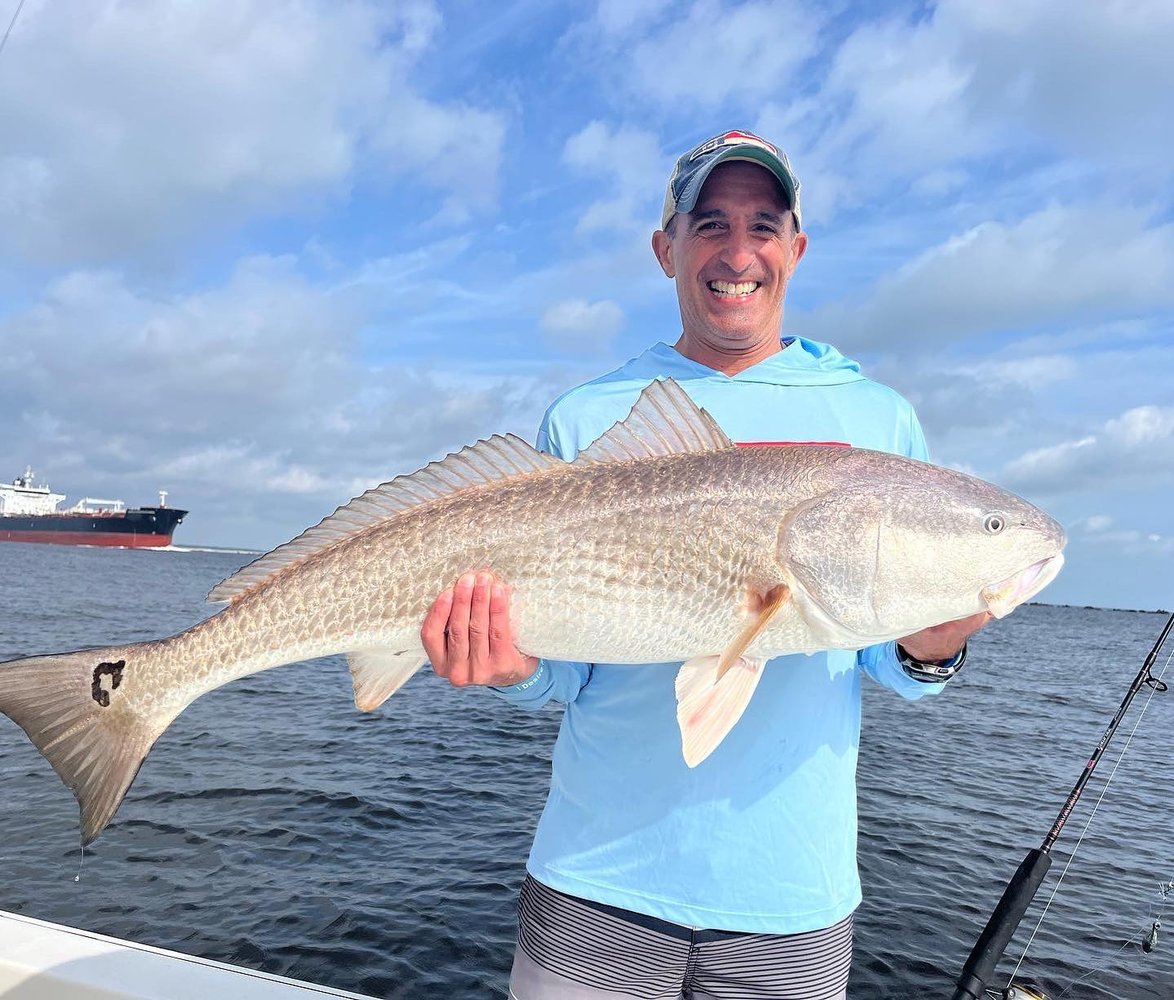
point(736, 878)
point(732, 256)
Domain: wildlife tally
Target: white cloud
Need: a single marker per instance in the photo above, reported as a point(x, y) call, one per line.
point(891, 110)
point(1137, 445)
point(130, 124)
point(1034, 373)
point(906, 94)
point(1099, 85)
point(250, 472)
point(979, 400)
point(705, 55)
point(579, 325)
point(931, 104)
point(1060, 264)
point(1094, 523)
point(249, 401)
point(998, 173)
point(1143, 426)
point(453, 147)
point(629, 160)
point(265, 360)
point(1101, 530)
point(719, 52)
point(618, 17)
point(264, 356)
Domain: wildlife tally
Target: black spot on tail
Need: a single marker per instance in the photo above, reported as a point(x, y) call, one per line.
point(114, 670)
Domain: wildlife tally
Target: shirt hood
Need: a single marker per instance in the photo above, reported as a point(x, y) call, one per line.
point(801, 362)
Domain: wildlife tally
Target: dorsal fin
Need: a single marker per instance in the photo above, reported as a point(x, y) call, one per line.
point(664, 421)
point(492, 460)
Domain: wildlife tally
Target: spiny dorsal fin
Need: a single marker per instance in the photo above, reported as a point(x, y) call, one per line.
point(495, 459)
point(664, 421)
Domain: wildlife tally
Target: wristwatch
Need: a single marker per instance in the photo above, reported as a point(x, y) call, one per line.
point(930, 671)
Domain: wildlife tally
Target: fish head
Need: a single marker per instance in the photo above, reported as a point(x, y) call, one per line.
point(916, 547)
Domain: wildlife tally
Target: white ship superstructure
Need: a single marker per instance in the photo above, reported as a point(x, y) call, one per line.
point(24, 497)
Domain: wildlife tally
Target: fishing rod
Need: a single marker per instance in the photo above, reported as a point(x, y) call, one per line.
point(1024, 884)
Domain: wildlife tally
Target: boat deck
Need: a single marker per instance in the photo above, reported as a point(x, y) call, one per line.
point(44, 961)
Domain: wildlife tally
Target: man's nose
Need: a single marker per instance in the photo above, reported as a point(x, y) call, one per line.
point(738, 254)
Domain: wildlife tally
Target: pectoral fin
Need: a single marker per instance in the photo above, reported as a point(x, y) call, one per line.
point(713, 691)
point(766, 607)
point(377, 673)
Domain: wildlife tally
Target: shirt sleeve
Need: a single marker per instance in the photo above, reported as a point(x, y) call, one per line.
point(554, 680)
point(916, 447)
point(881, 664)
point(547, 439)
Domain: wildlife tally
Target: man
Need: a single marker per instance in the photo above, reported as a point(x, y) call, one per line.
point(736, 878)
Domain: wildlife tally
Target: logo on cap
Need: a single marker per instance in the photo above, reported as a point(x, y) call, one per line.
point(734, 139)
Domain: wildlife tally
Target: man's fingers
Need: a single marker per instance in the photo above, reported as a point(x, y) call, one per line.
point(479, 628)
point(458, 630)
point(501, 636)
point(503, 654)
point(513, 665)
point(963, 628)
point(468, 637)
point(941, 641)
point(432, 632)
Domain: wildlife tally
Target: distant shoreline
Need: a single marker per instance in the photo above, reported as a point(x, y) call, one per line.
point(1094, 607)
point(232, 550)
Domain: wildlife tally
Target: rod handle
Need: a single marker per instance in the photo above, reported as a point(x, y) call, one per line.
point(999, 930)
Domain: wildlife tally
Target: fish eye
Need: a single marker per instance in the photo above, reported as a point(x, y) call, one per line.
point(994, 523)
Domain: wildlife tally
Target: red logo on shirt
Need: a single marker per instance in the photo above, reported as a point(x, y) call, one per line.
point(763, 444)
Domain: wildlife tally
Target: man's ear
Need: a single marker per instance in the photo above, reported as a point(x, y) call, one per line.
point(662, 246)
point(798, 249)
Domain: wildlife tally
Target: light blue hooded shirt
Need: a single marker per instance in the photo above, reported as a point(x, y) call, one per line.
point(761, 836)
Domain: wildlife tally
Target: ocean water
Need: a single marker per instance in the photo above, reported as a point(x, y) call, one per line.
point(275, 827)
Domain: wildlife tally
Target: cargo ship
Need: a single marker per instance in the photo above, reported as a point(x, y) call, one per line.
point(28, 513)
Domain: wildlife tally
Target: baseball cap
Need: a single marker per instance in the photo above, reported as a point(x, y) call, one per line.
point(696, 165)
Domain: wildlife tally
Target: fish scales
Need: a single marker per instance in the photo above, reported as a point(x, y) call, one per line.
point(594, 573)
point(572, 544)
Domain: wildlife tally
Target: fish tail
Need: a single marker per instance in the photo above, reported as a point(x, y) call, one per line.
point(69, 705)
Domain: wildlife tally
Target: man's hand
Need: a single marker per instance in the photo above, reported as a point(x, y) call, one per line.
point(468, 638)
point(941, 642)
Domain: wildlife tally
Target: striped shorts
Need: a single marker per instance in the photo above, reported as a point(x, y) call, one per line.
point(575, 949)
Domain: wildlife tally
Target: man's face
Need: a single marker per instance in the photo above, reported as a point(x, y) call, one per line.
point(732, 257)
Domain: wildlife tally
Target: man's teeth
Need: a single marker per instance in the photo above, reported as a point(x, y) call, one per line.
point(733, 288)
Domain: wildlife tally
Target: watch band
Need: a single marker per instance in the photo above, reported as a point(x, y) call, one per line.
point(929, 672)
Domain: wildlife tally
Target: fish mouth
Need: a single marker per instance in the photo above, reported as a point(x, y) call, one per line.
point(1005, 596)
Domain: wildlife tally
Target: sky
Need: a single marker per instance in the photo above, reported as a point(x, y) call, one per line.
point(269, 253)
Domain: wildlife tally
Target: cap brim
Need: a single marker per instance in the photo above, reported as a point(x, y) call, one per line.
point(753, 154)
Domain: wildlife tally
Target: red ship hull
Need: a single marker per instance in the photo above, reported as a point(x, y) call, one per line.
point(124, 540)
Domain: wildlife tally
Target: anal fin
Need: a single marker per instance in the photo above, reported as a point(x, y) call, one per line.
point(713, 691)
point(708, 707)
point(378, 672)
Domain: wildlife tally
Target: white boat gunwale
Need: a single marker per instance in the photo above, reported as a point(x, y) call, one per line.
point(40, 960)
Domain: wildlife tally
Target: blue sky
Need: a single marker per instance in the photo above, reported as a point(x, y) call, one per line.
point(266, 254)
